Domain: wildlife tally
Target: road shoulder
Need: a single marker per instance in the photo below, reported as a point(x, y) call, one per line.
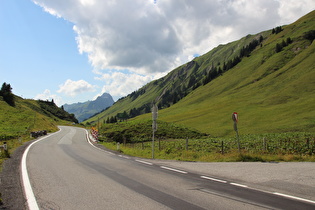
point(10, 180)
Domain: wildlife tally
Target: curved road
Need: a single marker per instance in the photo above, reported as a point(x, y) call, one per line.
point(67, 172)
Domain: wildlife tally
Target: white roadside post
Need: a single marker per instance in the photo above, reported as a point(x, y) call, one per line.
point(5, 147)
point(235, 119)
point(154, 125)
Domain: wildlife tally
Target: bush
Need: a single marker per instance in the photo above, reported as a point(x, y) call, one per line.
point(310, 35)
point(4, 154)
point(249, 158)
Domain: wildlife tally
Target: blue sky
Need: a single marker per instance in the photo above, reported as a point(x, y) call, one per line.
point(39, 51)
point(73, 51)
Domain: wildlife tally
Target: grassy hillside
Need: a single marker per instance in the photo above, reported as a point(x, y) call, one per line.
point(271, 88)
point(30, 115)
point(283, 100)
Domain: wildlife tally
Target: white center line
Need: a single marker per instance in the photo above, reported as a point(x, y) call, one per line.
point(141, 161)
point(213, 179)
point(294, 197)
point(239, 185)
point(123, 156)
point(173, 169)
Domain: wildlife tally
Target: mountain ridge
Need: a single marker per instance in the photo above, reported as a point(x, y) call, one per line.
point(84, 110)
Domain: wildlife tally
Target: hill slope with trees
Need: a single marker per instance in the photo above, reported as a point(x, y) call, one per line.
point(267, 77)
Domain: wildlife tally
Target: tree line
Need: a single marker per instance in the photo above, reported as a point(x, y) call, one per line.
point(245, 51)
point(280, 46)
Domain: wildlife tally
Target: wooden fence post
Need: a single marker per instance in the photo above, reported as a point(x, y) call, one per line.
point(222, 147)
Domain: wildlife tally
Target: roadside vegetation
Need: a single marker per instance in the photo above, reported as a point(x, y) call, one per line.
point(179, 143)
point(141, 131)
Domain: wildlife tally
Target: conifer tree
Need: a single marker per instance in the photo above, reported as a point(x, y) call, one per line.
point(6, 93)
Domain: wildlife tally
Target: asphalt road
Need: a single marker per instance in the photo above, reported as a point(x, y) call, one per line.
point(67, 172)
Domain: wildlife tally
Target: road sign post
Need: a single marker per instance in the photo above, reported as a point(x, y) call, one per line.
point(235, 119)
point(154, 125)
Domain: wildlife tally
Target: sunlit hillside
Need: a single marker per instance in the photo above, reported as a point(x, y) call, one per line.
point(30, 115)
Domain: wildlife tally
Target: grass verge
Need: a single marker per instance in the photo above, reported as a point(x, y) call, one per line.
point(254, 148)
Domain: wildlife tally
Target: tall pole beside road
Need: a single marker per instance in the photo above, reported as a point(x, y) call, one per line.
point(235, 119)
point(154, 125)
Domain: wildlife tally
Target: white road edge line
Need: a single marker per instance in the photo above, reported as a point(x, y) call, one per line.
point(30, 198)
point(213, 179)
point(294, 197)
point(173, 169)
point(28, 191)
point(141, 161)
point(239, 185)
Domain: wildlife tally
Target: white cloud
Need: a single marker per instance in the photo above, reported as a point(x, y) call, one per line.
point(120, 84)
point(47, 95)
point(73, 88)
point(291, 10)
point(147, 37)
point(153, 37)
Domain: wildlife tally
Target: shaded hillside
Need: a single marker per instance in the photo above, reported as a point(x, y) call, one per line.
point(50, 109)
point(268, 78)
point(84, 110)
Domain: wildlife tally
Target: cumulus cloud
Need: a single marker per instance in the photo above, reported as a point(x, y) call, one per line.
point(155, 36)
point(47, 95)
point(120, 84)
point(291, 10)
point(73, 88)
point(150, 37)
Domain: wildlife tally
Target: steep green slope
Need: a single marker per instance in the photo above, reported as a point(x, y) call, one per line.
point(282, 100)
point(271, 88)
point(178, 83)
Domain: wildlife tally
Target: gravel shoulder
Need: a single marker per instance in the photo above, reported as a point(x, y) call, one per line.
point(10, 181)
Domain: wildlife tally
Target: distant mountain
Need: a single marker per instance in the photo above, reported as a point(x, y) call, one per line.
point(84, 110)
